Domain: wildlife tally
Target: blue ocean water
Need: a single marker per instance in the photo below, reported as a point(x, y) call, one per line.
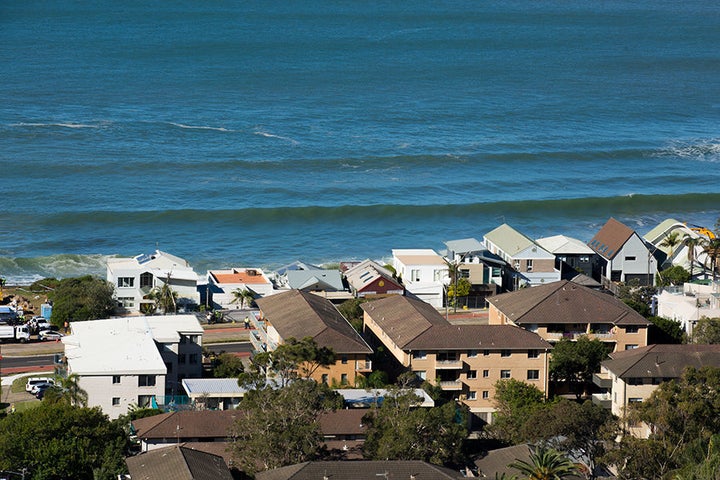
point(247, 133)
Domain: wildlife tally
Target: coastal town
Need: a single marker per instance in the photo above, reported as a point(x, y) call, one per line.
point(597, 325)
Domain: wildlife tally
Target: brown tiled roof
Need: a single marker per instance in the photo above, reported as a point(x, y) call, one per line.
point(343, 422)
point(300, 314)
point(477, 337)
point(662, 361)
point(360, 470)
point(238, 276)
point(565, 302)
point(611, 238)
point(193, 424)
point(177, 463)
point(403, 318)
point(496, 462)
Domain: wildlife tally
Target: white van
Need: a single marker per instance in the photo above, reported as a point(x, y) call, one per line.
point(32, 381)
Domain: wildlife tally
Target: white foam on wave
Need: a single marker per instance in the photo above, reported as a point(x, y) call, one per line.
point(58, 124)
point(279, 137)
point(200, 127)
point(705, 151)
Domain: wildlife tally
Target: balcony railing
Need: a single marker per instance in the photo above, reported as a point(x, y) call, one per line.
point(602, 380)
point(448, 364)
point(602, 399)
point(363, 365)
point(451, 385)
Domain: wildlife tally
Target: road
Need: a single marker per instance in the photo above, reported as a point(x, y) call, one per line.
point(9, 365)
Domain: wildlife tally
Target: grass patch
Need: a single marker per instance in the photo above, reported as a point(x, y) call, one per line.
point(18, 385)
point(21, 406)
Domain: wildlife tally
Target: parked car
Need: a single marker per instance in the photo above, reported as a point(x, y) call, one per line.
point(32, 381)
point(47, 335)
point(41, 387)
point(41, 392)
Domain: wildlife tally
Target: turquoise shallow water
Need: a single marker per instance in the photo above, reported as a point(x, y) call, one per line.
point(235, 134)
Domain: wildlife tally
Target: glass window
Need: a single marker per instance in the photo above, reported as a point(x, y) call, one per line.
point(472, 353)
point(125, 282)
point(630, 347)
point(486, 373)
point(116, 379)
point(504, 373)
point(146, 280)
point(631, 329)
point(533, 374)
point(325, 378)
point(144, 400)
point(344, 359)
point(471, 374)
point(529, 265)
point(146, 380)
point(504, 353)
point(485, 395)
point(420, 355)
point(533, 353)
point(116, 401)
point(472, 395)
point(344, 379)
point(421, 374)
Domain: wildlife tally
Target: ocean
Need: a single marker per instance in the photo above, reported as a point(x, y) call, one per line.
point(260, 133)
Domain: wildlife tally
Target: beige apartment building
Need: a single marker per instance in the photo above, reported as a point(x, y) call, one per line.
point(565, 310)
point(466, 360)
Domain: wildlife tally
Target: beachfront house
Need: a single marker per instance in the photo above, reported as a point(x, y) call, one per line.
point(531, 264)
point(369, 278)
point(135, 278)
point(573, 256)
point(465, 361)
point(629, 258)
point(689, 303)
point(632, 376)
point(479, 266)
point(123, 362)
point(224, 286)
point(566, 310)
point(297, 314)
point(424, 274)
point(691, 257)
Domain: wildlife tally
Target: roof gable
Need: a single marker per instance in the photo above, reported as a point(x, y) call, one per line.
point(662, 361)
point(179, 463)
point(611, 238)
point(403, 318)
point(509, 240)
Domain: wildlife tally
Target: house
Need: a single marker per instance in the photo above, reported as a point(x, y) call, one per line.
point(689, 303)
point(573, 256)
point(311, 278)
point(369, 278)
point(297, 314)
point(479, 266)
point(496, 463)
point(213, 393)
point(122, 362)
point(222, 283)
point(361, 470)
point(134, 278)
point(629, 257)
point(532, 264)
point(464, 360)
point(423, 272)
point(632, 376)
point(178, 462)
point(679, 254)
point(566, 310)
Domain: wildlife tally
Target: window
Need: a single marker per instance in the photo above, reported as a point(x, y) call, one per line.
point(325, 378)
point(144, 401)
point(414, 275)
point(126, 302)
point(421, 374)
point(485, 395)
point(504, 353)
point(146, 380)
point(529, 265)
point(116, 401)
point(533, 374)
point(584, 259)
point(194, 339)
point(472, 353)
point(634, 400)
point(472, 374)
point(344, 379)
point(635, 381)
point(344, 359)
point(146, 280)
point(630, 346)
point(533, 354)
point(632, 329)
point(464, 273)
point(504, 373)
point(116, 379)
point(420, 355)
point(486, 373)
point(629, 259)
point(193, 359)
point(486, 352)
point(517, 265)
point(126, 282)
point(472, 396)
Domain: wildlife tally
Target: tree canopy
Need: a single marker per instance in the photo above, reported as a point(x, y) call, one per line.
point(57, 440)
point(81, 298)
point(707, 331)
point(575, 362)
point(675, 275)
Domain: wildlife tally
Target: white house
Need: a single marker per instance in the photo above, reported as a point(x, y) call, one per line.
point(423, 272)
point(689, 303)
point(133, 360)
point(680, 255)
point(222, 283)
point(135, 277)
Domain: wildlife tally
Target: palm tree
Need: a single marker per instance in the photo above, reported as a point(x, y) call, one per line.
point(546, 464)
point(671, 241)
point(242, 296)
point(712, 248)
point(164, 297)
point(691, 243)
point(67, 389)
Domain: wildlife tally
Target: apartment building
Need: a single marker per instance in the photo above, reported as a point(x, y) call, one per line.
point(465, 360)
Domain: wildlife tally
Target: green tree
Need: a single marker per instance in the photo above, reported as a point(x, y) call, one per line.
point(546, 464)
point(242, 296)
point(711, 248)
point(280, 427)
point(227, 365)
point(636, 296)
point(692, 243)
point(164, 298)
point(351, 310)
point(575, 362)
point(707, 331)
point(400, 430)
point(675, 275)
point(81, 298)
point(515, 402)
point(665, 330)
point(58, 441)
point(459, 289)
point(68, 390)
point(671, 241)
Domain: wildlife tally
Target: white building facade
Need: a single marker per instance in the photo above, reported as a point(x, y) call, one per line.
point(424, 274)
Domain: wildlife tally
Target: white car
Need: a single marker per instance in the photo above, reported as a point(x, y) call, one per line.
point(50, 335)
point(32, 381)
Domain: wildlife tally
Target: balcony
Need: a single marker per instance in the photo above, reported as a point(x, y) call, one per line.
point(602, 380)
point(602, 399)
point(448, 365)
point(451, 385)
point(363, 365)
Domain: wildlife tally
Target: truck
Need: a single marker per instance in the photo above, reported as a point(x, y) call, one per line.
point(18, 333)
